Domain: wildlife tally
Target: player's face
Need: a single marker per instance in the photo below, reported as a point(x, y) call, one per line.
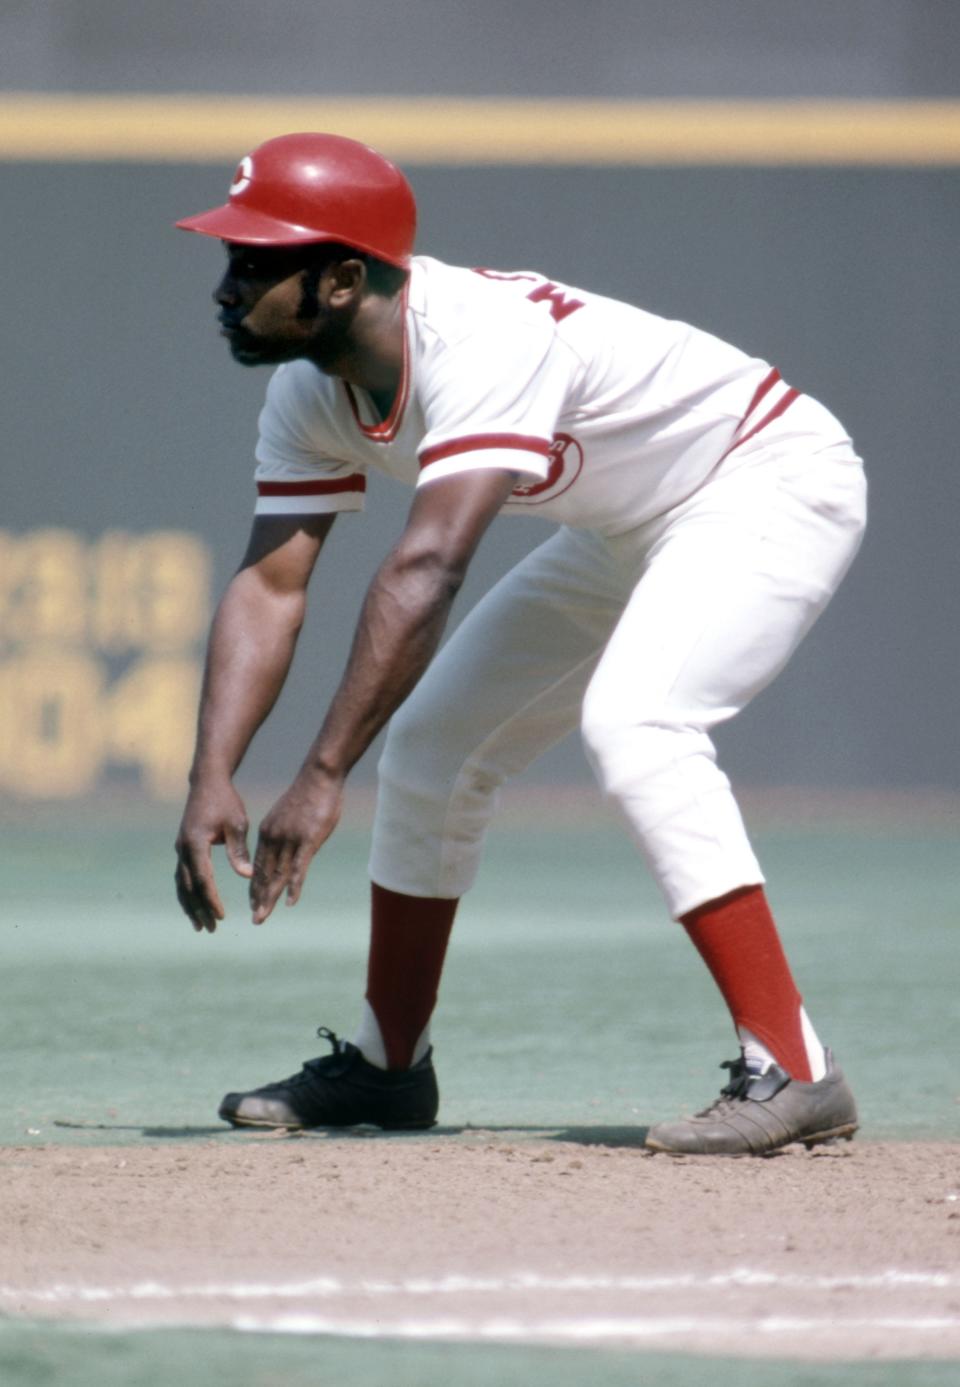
point(265, 313)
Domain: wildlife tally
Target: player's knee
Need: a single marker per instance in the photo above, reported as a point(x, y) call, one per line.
point(407, 757)
point(424, 759)
point(406, 732)
point(626, 747)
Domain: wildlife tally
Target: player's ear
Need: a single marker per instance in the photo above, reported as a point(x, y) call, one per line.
point(346, 282)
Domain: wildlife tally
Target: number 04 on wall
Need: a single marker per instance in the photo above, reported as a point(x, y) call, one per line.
point(99, 662)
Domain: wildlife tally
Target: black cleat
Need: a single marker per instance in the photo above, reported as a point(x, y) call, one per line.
point(341, 1090)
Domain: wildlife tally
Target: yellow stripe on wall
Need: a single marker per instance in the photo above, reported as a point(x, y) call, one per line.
point(213, 129)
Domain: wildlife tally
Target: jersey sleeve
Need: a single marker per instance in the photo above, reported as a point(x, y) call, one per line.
point(492, 399)
point(296, 473)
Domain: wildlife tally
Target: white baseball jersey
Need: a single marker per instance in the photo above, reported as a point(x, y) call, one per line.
point(611, 415)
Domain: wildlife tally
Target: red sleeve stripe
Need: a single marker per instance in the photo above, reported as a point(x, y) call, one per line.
point(762, 390)
point(768, 382)
point(782, 404)
point(478, 442)
point(354, 483)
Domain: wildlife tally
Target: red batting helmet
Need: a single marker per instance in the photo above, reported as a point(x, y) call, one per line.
point(299, 189)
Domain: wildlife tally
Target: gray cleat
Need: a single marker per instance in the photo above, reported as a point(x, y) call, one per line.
point(760, 1112)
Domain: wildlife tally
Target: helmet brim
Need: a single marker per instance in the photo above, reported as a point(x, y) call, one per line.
point(244, 226)
point(247, 227)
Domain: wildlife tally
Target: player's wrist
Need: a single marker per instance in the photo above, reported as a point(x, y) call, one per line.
point(210, 771)
point(323, 772)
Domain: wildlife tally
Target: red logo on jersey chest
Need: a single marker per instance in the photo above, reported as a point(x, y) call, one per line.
point(566, 462)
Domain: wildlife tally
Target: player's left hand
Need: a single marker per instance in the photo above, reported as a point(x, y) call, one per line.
point(298, 825)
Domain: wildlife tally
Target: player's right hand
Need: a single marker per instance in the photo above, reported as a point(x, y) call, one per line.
point(214, 814)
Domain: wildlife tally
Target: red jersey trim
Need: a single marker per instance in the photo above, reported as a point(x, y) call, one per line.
point(762, 390)
point(478, 442)
point(387, 429)
point(782, 404)
point(330, 488)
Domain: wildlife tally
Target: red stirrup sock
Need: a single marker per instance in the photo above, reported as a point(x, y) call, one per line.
point(738, 941)
point(408, 944)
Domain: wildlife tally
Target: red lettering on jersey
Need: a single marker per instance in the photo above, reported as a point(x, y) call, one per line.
point(501, 274)
point(560, 306)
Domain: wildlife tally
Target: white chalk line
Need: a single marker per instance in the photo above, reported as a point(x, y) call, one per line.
point(330, 1287)
point(595, 1330)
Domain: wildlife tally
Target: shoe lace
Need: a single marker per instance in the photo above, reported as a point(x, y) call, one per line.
point(747, 1083)
point(304, 1076)
point(335, 1058)
point(740, 1076)
point(733, 1091)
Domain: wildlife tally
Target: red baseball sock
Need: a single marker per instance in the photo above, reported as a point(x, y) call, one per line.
point(738, 941)
point(408, 944)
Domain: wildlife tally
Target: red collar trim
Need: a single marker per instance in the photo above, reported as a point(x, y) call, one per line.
point(387, 429)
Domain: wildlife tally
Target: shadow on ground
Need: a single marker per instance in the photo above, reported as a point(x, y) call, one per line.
point(581, 1136)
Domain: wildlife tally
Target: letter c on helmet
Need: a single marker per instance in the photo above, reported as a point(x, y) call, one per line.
point(243, 175)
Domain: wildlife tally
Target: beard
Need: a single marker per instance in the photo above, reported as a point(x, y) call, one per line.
point(250, 349)
point(322, 339)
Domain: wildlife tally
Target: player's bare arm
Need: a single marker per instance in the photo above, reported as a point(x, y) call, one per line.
point(400, 626)
point(251, 646)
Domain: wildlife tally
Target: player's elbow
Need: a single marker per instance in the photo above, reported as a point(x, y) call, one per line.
point(265, 604)
point(430, 563)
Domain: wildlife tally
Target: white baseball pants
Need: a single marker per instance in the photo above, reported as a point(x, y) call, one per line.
point(648, 640)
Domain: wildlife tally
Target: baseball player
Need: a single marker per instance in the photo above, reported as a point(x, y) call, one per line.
point(707, 512)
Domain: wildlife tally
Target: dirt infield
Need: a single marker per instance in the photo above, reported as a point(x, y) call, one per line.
point(843, 1252)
